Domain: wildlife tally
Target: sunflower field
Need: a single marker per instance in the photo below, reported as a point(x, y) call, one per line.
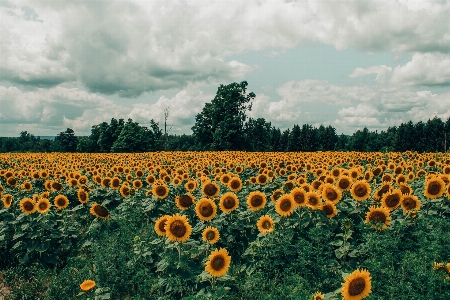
point(225, 225)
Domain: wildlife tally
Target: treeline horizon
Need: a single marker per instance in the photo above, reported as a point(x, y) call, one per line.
point(223, 125)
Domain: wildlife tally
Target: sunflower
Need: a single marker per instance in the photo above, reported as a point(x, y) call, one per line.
point(256, 200)
point(385, 187)
point(313, 200)
point(206, 209)
point(115, 183)
point(391, 200)
point(210, 189)
point(218, 263)
point(7, 200)
point(410, 202)
point(61, 201)
point(318, 296)
point(299, 196)
point(276, 194)
point(261, 179)
point(178, 228)
point(137, 184)
point(11, 181)
point(331, 193)
point(228, 202)
point(344, 182)
point(99, 211)
point(357, 285)
point(27, 206)
point(43, 205)
point(184, 201)
point(160, 190)
point(150, 179)
point(447, 191)
point(191, 185)
point(225, 178)
point(378, 217)
point(285, 205)
point(125, 190)
point(211, 235)
point(83, 197)
point(26, 186)
point(87, 285)
point(265, 224)
point(235, 184)
point(360, 190)
point(329, 208)
point(435, 187)
point(160, 225)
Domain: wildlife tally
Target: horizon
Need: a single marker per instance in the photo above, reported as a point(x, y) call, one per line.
point(346, 64)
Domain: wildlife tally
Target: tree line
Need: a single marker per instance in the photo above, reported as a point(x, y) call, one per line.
point(223, 125)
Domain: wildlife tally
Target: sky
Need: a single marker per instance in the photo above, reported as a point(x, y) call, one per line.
point(350, 64)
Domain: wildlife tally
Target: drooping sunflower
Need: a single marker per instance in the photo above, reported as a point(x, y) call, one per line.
point(206, 209)
point(210, 189)
point(178, 228)
point(256, 200)
point(99, 211)
point(160, 190)
point(285, 205)
point(357, 285)
point(235, 184)
point(83, 197)
point(210, 235)
point(27, 206)
point(183, 202)
point(228, 202)
point(7, 200)
point(265, 224)
point(61, 202)
point(299, 196)
point(313, 200)
point(378, 217)
point(331, 193)
point(160, 225)
point(344, 183)
point(43, 205)
point(410, 202)
point(391, 200)
point(218, 263)
point(385, 187)
point(360, 190)
point(329, 208)
point(435, 187)
point(87, 285)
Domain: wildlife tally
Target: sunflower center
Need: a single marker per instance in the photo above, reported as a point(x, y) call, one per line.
point(226, 179)
point(409, 203)
point(210, 189)
point(331, 194)
point(360, 190)
point(185, 201)
point(235, 184)
point(160, 190)
point(313, 200)
point(8, 200)
point(210, 235)
point(229, 202)
point(126, 191)
point(61, 202)
point(83, 196)
point(28, 206)
point(392, 200)
point(177, 228)
point(434, 188)
point(328, 209)
point(218, 263)
point(266, 225)
point(256, 201)
point(206, 209)
point(43, 205)
point(344, 183)
point(190, 186)
point(405, 190)
point(299, 198)
point(285, 205)
point(356, 286)
point(101, 211)
point(289, 185)
point(162, 224)
point(377, 216)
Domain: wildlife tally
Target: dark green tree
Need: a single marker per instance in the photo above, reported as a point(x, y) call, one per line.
point(257, 135)
point(275, 136)
point(66, 141)
point(284, 139)
point(294, 142)
point(135, 138)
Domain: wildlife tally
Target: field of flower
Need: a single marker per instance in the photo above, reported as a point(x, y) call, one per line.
point(225, 225)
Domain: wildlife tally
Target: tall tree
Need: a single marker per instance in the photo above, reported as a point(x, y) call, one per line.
point(294, 142)
point(257, 135)
point(66, 141)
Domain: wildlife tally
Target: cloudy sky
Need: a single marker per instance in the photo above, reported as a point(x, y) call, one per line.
point(346, 63)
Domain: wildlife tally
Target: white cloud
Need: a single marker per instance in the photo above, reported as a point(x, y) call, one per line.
point(383, 72)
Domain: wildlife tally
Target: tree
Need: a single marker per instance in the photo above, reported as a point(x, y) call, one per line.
point(135, 138)
point(109, 134)
point(284, 139)
point(257, 135)
point(220, 125)
point(66, 141)
point(294, 139)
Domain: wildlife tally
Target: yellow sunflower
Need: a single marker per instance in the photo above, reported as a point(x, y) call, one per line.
point(160, 225)
point(160, 190)
point(313, 200)
point(360, 190)
point(228, 202)
point(256, 200)
point(61, 201)
point(410, 202)
point(331, 193)
point(183, 202)
point(125, 190)
point(344, 183)
point(178, 228)
point(235, 184)
point(210, 189)
point(191, 185)
point(27, 206)
point(357, 285)
point(43, 205)
point(299, 196)
point(435, 187)
point(265, 224)
point(285, 205)
point(218, 263)
point(99, 211)
point(378, 217)
point(206, 209)
point(7, 200)
point(211, 235)
point(83, 197)
point(329, 208)
point(318, 296)
point(87, 285)
point(391, 200)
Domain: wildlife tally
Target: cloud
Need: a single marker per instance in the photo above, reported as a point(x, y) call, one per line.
point(383, 72)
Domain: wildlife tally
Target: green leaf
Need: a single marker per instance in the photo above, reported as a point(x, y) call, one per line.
point(42, 247)
point(18, 235)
